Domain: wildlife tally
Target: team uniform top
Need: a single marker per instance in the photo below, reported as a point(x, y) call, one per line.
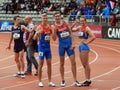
point(63, 33)
point(82, 34)
point(44, 43)
point(65, 41)
point(44, 40)
point(18, 39)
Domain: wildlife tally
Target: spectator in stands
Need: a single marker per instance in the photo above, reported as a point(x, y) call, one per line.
point(45, 5)
point(78, 2)
point(114, 13)
point(73, 14)
point(72, 4)
point(106, 13)
point(7, 7)
point(85, 9)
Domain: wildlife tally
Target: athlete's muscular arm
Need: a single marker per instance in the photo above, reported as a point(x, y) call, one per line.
point(24, 28)
point(74, 29)
point(37, 33)
point(73, 43)
point(91, 36)
point(11, 38)
point(53, 32)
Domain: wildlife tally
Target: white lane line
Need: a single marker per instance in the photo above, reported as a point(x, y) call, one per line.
point(3, 59)
point(116, 88)
point(101, 74)
point(52, 76)
point(30, 81)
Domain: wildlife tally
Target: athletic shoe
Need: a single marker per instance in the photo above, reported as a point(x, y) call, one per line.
point(51, 84)
point(76, 83)
point(17, 75)
point(22, 75)
point(63, 83)
point(40, 84)
point(86, 83)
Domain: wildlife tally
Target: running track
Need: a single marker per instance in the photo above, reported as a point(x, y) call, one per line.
point(104, 60)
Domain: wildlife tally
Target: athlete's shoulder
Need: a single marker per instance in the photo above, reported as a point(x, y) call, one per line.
point(88, 28)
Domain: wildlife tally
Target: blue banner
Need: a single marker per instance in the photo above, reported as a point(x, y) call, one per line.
point(5, 26)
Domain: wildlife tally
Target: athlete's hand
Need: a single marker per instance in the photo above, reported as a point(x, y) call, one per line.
point(73, 47)
point(27, 44)
point(84, 42)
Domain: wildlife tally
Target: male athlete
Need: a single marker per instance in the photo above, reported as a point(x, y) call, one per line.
point(17, 31)
point(43, 33)
point(65, 45)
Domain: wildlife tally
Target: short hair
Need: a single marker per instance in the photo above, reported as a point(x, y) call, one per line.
point(44, 14)
point(83, 17)
point(15, 17)
point(57, 12)
point(28, 16)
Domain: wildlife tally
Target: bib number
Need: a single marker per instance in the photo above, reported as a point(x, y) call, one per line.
point(16, 36)
point(47, 38)
point(80, 33)
point(64, 34)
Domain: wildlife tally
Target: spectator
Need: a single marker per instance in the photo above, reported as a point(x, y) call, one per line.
point(114, 12)
point(106, 13)
point(73, 14)
point(78, 2)
point(7, 8)
point(45, 5)
point(72, 5)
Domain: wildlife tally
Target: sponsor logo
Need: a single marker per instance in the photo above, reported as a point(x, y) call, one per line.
point(113, 32)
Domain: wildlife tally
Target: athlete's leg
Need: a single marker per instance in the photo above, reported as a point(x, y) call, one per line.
point(49, 70)
point(21, 56)
point(73, 66)
point(41, 62)
point(84, 56)
point(17, 61)
point(62, 60)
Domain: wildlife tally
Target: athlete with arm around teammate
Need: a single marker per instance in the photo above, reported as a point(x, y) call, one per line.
point(17, 31)
point(86, 37)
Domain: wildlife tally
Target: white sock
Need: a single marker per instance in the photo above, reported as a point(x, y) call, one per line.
point(19, 72)
point(22, 72)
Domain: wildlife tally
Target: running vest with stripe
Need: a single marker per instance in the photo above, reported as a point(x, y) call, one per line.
point(82, 33)
point(62, 31)
point(44, 40)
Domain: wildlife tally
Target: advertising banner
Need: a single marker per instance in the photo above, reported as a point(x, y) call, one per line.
point(97, 30)
point(5, 26)
point(111, 32)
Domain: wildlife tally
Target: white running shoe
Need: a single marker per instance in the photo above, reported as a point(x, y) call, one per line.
point(76, 83)
point(22, 75)
point(40, 84)
point(17, 75)
point(62, 83)
point(51, 84)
